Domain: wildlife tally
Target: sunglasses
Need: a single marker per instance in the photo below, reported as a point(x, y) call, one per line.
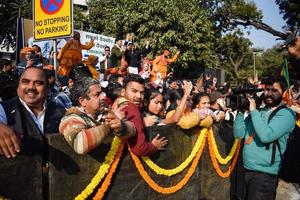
point(106, 50)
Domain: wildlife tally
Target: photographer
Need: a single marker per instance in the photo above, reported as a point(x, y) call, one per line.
point(85, 126)
point(265, 133)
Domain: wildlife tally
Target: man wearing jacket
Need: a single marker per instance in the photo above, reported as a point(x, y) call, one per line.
point(261, 133)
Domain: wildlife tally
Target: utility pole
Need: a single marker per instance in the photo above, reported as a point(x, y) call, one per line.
point(254, 67)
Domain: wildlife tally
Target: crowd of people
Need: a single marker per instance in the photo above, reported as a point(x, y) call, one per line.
point(129, 93)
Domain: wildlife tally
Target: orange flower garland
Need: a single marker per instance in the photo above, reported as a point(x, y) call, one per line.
point(107, 180)
point(173, 189)
point(214, 159)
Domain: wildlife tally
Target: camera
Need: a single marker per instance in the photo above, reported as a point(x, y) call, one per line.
point(238, 99)
point(290, 38)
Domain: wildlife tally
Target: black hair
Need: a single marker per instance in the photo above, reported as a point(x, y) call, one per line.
point(133, 78)
point(4, 62)
point(175, 95)
point(207, 84)
point(171, 80)
point(81, 88)
point(114, 78)
point(79, 71)
point(38, 68)
point(271, 81)
point(150, 94)
point(197, 97)
point(113, 91)
point(37, 46)
point(49, 73)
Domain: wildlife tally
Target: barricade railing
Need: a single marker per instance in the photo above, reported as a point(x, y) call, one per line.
point(57, 172)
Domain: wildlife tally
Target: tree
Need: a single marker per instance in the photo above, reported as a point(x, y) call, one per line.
point(80, 20)
point(169, 23)
point(271, 61)
point(291, 12)
point(10, 10)
point(232, 50)
point(228, 14)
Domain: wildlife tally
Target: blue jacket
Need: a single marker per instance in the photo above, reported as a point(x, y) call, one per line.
point(255, 155)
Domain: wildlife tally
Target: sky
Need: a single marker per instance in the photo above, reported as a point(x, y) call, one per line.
point(272, 17)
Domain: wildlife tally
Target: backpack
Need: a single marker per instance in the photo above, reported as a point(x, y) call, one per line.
point(290, 160)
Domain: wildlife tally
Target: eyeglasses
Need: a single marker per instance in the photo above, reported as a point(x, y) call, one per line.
point(106, 50)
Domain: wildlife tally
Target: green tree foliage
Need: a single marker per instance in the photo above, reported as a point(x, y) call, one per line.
point(166, 24)
point(10, 10)
point(227, 14)
point(271, 61)
point(79, 18)
point(291, 12)
point(232, 50)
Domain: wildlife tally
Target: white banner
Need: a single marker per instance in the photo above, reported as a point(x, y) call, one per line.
point(98, 50)
point(100, 42)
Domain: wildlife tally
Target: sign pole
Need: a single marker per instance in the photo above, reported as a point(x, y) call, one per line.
point(55, 58)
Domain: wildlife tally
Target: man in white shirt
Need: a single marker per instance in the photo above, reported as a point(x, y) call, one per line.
point(28, 115)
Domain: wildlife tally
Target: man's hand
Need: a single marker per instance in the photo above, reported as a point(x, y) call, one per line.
point(220, 116)
point(252, 105)
point(9, 142)
point(294, 48)
point(187, 87)
point(113, 122)
point(159, 143)
point(118, 111)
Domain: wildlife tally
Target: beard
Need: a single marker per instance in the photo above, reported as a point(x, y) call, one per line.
point(272, 101)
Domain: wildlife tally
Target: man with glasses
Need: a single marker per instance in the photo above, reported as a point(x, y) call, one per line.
point(265, 133)
point(105, 64)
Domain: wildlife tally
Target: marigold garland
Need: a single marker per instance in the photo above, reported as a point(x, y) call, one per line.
point(178, 186)
point(221, 160)
point(103, 169)
point(183, 165)
point(298, 122)
point(214, 160)
point(107, 180)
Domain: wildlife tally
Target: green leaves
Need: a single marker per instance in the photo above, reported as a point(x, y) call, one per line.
point(9, 12)
point(165, 24)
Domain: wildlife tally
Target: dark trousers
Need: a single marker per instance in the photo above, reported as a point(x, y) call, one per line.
point(260, 186)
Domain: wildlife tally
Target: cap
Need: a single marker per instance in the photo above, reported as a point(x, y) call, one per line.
point(119, 38)
point(214, 96)
point(91, 59)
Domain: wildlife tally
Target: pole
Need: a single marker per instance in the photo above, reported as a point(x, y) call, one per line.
point(55, 57)
point(254, 70)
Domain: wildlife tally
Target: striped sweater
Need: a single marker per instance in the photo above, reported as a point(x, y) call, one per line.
point(84, 133)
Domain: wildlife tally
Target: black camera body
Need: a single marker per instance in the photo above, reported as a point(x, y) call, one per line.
point(238, 99)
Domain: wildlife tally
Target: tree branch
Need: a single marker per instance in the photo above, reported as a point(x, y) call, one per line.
point(262, 26)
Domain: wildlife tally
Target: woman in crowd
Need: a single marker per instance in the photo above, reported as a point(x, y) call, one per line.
point(189, 118)
point(201, 105)
point(154, 109)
